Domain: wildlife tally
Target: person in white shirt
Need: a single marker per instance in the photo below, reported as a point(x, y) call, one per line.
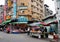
point(28, 30)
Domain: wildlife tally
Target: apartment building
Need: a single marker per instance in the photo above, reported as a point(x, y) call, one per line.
point(31, 9)
point(9, 9)
point(1, 14)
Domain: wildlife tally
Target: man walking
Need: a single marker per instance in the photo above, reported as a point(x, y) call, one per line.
point(28, 30)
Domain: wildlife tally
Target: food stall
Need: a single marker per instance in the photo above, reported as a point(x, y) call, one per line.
point(35, 29)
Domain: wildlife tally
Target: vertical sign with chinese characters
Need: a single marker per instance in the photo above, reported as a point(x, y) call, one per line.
point(14, 8)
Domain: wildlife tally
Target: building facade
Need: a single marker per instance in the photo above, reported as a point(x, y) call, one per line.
point(31, 9)
point(47, 11)
point(9, 9)
point(1, 13)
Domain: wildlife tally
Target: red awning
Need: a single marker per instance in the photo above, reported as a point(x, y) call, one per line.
point(43, 23)
point(56, 21)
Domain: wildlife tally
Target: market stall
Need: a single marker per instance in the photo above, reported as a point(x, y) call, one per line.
point(39, 29)
point(35, 29)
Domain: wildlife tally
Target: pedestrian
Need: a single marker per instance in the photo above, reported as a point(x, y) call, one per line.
point(46, 34)
point(42, 30)
point(8, 30)
point(28, 30)
point(51, 31)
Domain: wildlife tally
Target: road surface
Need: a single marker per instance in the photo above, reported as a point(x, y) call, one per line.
point(18, 38)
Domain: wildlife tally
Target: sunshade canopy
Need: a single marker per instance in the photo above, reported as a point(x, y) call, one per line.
point(19, 22)
point(5, 22)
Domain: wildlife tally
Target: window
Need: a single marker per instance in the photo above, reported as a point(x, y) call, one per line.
point(31, 5)
point(41, 6)
point(41, 10)
point(38, 9)
point(32, 0)
point(22, 4)
point(40, 1)
point(37, 0)
point(34, 7)
point(37, 4)
point(40, 16)
point(22, 11)
point(32, 12)
point(28, 10)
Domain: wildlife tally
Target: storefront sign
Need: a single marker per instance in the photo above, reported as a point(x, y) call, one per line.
point(22, 7)
point(22, 19)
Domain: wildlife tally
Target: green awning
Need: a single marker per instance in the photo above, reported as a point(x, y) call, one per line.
point(19, 22)
point(5, 22)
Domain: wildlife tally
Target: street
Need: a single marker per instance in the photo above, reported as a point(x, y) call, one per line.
point(18, 38)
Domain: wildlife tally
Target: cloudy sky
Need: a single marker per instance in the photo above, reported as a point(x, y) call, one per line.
point(2, 2)
point(51, 4)
point(48, 2)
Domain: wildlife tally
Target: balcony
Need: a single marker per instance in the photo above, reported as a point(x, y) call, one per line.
point(24, 15)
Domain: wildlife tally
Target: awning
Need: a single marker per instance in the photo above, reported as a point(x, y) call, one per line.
point(35, 24)
point(54, 22)
point(5, 22)
point(19, 23)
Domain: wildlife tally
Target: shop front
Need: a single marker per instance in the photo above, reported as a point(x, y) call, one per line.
point(52, 20)
point(20, 24)
point(23, 21)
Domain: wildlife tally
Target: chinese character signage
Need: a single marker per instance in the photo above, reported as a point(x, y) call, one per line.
point(14, 9)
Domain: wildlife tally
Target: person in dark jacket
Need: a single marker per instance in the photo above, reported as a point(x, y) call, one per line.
point(42, 30)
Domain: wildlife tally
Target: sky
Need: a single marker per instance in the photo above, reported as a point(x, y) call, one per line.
point(2, 2)
point(50, 3)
